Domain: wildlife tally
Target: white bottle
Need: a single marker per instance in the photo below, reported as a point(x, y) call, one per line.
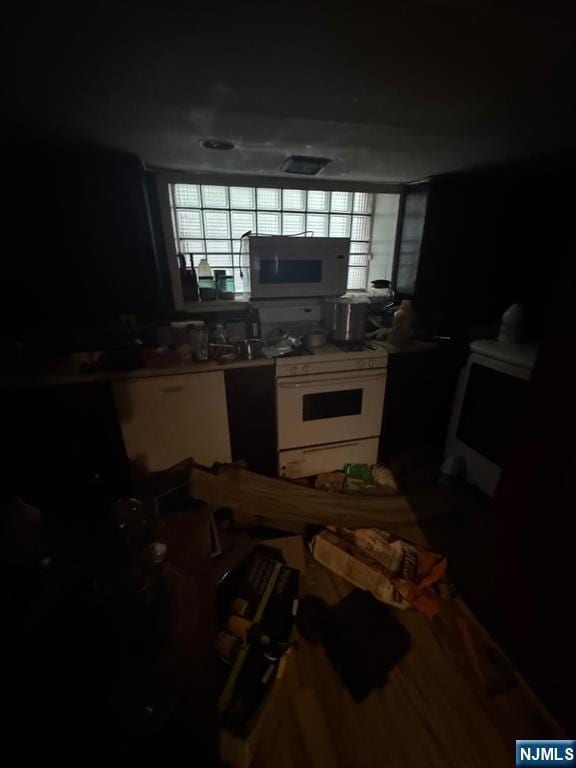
point(512, 327)
point(204, 269)
point(402, 323)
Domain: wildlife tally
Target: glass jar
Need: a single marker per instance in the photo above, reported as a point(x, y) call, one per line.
point(199, 343)
point(225, 286)
point(207, 288)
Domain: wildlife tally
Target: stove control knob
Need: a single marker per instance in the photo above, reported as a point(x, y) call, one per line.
point(359, 363)
point(293, 369)
point(371, 363)
point(305, 368)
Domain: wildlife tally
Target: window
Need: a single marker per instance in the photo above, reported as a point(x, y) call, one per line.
point(209, 221)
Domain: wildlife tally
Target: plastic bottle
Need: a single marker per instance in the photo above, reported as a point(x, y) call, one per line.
point(206, 281)
point(204, 268)
point(218, 335)
point(512, 327)
point(402, 323)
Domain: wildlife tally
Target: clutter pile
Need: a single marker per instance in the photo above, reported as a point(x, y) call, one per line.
point(394, 571)
point(377, 480)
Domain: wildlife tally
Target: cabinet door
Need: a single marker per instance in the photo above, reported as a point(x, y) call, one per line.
point(251, 397)
point(166, 419)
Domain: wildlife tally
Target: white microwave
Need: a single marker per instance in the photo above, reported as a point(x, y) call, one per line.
point(298, 267)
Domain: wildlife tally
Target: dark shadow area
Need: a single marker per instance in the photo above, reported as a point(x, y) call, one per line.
point(362, 638)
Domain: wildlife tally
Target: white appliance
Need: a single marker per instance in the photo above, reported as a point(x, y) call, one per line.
point(489, 402)
point(299, 267)
point(329, 409)
point(165, 420)
point(294, 316)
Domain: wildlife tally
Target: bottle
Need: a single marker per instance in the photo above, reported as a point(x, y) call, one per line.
point(189, 281)
point(218, 335)
point(206, 281)
point(193, 282)
point(512, 327)
point(204, 269)
point(402, 323)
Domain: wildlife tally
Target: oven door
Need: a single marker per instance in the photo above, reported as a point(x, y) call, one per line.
point(329, 408)
point(489, 405)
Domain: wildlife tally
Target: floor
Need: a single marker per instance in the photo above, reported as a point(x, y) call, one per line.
point(443, 706)
point(454, 700)
point(455, 520)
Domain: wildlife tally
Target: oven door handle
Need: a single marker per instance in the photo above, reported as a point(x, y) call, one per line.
point(303, 384)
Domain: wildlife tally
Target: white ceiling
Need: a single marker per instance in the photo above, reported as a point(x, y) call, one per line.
point(419, 89)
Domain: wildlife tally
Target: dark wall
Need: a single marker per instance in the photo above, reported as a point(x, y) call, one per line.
point(82, 248)
point(472, 244)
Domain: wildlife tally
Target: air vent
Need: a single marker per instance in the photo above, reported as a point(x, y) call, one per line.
point(307, 166)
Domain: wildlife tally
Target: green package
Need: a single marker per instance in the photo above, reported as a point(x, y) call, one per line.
point(358, 477)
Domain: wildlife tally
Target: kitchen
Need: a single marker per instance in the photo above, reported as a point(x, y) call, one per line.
point(127, 329)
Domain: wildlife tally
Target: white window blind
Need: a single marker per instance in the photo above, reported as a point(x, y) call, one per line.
point(209, 221)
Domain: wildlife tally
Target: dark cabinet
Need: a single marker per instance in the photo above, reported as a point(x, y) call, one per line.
point(472, 244)
point(64, 448)
point(84, 249)
point(418, 401)
point(251, 400)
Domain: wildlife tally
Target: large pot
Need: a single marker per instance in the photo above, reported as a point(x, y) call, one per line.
point(346, 318)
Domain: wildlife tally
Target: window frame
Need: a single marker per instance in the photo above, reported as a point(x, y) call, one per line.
point(165, 181)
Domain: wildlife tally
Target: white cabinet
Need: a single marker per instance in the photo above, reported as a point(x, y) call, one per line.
point(166, 419)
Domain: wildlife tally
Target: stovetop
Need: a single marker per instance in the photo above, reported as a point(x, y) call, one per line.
point(331, 358)
point(330, 349)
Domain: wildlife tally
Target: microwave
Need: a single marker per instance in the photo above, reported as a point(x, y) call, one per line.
point(296, 267)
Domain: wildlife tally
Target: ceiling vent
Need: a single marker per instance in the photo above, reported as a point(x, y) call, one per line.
point(307, 166)
point(220, 146)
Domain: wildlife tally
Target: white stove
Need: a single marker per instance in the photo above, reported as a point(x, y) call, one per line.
point(330, 400)
point(329, 408)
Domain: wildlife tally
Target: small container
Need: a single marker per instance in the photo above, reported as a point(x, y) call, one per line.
point(315, 339)
point(224, 285)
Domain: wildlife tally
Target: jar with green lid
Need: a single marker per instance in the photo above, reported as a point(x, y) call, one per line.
point(224, 285)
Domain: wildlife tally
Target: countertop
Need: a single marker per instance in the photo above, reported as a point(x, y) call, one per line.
point(72, 374)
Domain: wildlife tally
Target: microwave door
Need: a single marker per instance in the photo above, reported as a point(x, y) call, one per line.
point(285, 267)
point(329, 408)
point(289, 271)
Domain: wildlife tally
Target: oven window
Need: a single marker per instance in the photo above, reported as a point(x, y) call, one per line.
point(279, 271)
point(331, 405)
point(491, 411)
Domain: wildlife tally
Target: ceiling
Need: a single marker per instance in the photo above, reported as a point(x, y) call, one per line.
point(419, 88)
